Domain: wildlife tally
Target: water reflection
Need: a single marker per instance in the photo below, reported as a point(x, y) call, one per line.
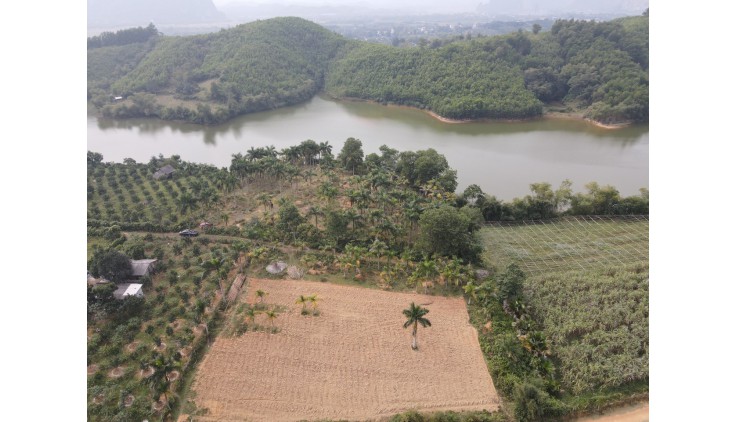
point(420, 119)
point(502, 157)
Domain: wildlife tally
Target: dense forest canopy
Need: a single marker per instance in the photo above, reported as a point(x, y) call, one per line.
point(598, 68)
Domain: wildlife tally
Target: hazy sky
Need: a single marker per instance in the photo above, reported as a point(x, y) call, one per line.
point(420, 5)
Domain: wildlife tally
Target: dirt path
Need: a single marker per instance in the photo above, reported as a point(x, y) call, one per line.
point(632, 413)
point(353, 361)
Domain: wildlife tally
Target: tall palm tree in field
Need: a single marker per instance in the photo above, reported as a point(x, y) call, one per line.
point(415, 314)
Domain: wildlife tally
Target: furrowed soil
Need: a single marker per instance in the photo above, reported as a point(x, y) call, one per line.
point(353, 361)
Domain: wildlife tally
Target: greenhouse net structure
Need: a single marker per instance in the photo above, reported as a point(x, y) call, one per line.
point(569, 243)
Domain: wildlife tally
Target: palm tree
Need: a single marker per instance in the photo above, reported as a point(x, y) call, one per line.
point(353, 216)
point(471, 291)
point(251, 314)
point(324, 148)
point(415, 314)
point(313, 298)
point(260, 294)
point(308, 175)
point(253, 154)
point(240, 247)
point(265, 199)
point(314, 212)
point(270, 151)
point(302, 300)
point(272, 315)
point(185, 202)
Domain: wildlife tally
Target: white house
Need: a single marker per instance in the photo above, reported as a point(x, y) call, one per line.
point(128, 289)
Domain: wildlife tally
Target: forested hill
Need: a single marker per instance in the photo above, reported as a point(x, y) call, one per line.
point(598, 68)
point(212, 77)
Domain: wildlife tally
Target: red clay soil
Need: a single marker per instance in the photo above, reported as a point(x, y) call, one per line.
point(353, 361)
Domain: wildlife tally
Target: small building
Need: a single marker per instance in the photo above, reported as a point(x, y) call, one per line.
point(118, 98)
point(142, 267)
point(92, 281)
point(164, 172)
point(128, 289)
point(204, 225)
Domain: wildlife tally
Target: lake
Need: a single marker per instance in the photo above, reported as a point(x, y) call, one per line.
point(503, 158)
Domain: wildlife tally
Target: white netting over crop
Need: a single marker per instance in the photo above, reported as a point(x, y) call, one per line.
point(570, 243)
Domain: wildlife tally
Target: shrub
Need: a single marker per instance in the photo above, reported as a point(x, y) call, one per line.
point(532, 403)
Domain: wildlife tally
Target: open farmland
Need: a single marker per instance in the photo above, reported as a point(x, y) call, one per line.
point(587, 287)
point(352, 361)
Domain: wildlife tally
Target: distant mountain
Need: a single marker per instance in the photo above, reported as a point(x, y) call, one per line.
point(110, 13)
point(562, 8)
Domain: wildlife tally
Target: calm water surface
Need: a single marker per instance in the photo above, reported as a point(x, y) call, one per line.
point(502, 158)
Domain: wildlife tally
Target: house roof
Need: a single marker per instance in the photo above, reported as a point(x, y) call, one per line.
point(127, 289)
point(92, 281)
point(132, 289)
point(141, 266)
point(167, 169)
point(164, 171)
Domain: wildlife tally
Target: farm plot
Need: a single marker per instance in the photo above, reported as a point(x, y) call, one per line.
point(574, 243)
point(352, 361)
point(587, 288)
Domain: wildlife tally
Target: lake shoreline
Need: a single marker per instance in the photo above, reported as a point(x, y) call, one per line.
point(546, 115)
point(563, 115)
point(502, 158)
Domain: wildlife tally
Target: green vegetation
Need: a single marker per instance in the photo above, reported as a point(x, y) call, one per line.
point(123, 37)
point(572, 334)
point(597, 69)
point(415, 315)
point(449, 231)
point(213, 77)
point(414, 416)
point(140, 349)
point(111, 265)
point(546, 203)
point(583, 242)
point(460, 81)
point(126, 194)
point(558, 339)
point(596, 323)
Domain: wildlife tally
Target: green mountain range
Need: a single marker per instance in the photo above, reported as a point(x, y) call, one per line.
point(600, 69)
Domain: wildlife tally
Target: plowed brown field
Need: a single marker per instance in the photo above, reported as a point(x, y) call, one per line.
point(353, 361)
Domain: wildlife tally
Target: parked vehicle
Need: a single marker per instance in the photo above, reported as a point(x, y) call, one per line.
point(188, 233)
